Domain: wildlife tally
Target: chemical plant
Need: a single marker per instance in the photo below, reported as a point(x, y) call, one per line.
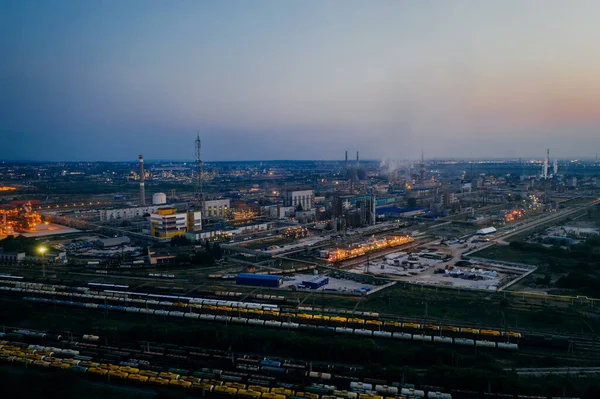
point(410, 258)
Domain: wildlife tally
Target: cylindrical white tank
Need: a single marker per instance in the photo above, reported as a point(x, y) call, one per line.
point(159, 199)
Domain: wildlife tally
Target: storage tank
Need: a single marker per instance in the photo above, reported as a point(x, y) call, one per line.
point(159, 199)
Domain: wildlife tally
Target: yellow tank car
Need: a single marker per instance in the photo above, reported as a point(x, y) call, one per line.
point(235, 385)
point(271, 395)
point(190, 378)
point(282, 391)
point(355, 320)
point(493, 333)
point(180, 384)
point(119, 374)
point(158, 381)
point(202, 385)
point(168, 375)
point(137, 378)
point(245, 393)
point(225, 390)
point(148, 373)
point(450, 328)
point(97, 371)
point(258, 388)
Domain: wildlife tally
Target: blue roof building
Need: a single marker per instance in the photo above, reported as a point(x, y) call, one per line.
point(258, 280)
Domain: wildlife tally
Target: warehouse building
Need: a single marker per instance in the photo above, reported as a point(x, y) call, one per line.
point(114, 242)
point(315, 283)
point(258, 280)
point(486, 231)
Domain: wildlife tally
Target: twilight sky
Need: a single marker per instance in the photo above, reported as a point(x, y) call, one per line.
point(298, 79)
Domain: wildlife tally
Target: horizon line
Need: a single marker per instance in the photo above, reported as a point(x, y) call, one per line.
point(134, 160)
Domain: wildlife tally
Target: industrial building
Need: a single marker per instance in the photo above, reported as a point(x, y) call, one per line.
point(126, 213)
point(167, 223)
point(258, 280)
point(486, 231)
point(113, 242)
point(217, 208)
point(315, 283)
point(304, 198)
point(11, 256)
point(278, 211)
point(230, 231)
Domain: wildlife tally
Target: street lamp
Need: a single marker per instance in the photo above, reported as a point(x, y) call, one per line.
point(43, 252)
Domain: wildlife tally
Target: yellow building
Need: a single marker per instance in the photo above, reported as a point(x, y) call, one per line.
point(167, 223)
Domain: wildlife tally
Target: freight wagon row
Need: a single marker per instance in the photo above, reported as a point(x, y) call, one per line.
point(89, 346)
point(274, 298)
point(135, 296)
point(172, 378)
point(48, 336)
point(159, 359)
point(268, 310)
point(270, 367)
point(278, 324)
point(197, 382)
point(35, 353)
point(260, 309)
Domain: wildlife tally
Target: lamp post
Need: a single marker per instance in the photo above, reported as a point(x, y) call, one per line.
point(43, 252)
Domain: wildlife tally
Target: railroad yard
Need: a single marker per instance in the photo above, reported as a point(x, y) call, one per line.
point(403, 309)
point(202, 371)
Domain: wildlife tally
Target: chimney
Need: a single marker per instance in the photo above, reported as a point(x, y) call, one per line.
point(142, 188)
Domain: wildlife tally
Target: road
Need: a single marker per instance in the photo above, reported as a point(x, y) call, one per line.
point(537, 223)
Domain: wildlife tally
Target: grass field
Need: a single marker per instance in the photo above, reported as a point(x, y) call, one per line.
point(509, 254)
point(573, 271)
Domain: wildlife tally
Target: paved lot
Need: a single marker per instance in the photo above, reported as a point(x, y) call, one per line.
point(423, 270)
point(334, 283)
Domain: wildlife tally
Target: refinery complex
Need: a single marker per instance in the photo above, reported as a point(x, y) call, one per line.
point(412, 256)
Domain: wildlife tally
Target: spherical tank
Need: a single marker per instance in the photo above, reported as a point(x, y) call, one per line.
point(159, 199)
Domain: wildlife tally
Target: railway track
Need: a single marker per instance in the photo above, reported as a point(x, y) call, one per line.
point(574, 346)
point(246, 376)
point(557, 371)
point(173, 366)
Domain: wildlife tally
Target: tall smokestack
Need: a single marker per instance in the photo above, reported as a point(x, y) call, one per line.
point(546, 164)
point(346, 159)
point(142, 188)
point(357, 161)
point(422, 166)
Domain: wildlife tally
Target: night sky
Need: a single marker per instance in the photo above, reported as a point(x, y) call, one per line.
point(108, 80)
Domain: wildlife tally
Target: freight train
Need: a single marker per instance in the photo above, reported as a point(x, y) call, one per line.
point(224, 383)
point(279, 324)
point(237, 309)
